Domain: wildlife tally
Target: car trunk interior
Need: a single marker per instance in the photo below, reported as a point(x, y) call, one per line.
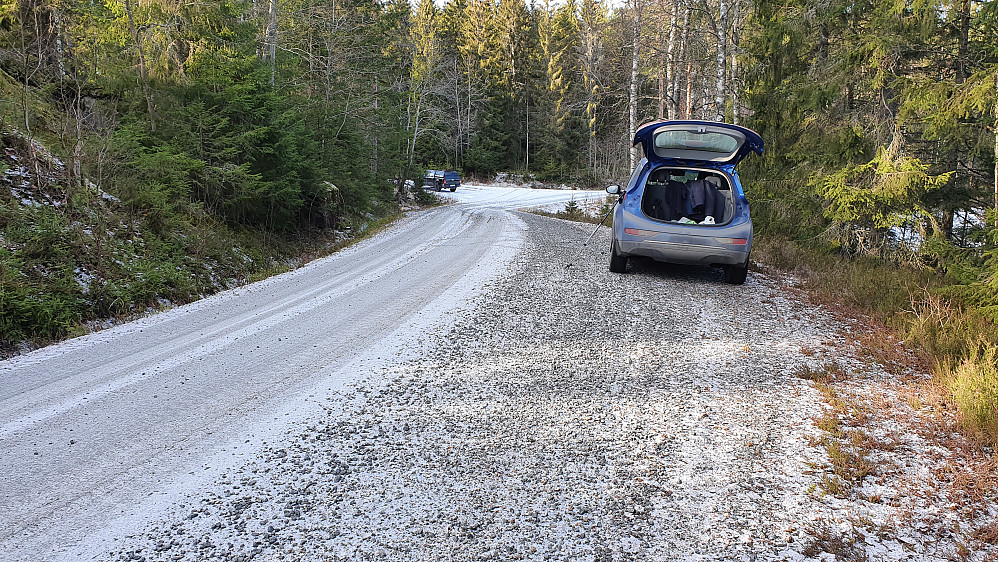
point(688, 196)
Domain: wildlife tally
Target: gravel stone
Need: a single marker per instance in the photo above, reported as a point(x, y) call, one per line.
point(569, 414)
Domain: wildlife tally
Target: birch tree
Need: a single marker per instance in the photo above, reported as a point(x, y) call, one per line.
point(636, 7)
point(670, 61)
point(720, 31)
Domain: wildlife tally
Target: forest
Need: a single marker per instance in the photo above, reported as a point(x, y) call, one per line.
point(157, 150)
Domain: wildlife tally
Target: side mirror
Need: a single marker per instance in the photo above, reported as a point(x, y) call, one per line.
point(614, 190)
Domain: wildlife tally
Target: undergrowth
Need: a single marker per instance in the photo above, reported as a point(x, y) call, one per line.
point(71, 259)
point(847, 445)
point(961, 341)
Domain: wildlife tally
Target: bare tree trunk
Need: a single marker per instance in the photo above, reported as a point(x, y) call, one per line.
point(374, 167)
point(722, 43)
point(689, 89)
point(591, 37)
point(661, 86)
point(457, 110)
point(632, 104)
point(735, 85)
point(467, 129)
point(60, 52)
point(272, 39)
point(735, 98)
point(24, 92)
point(670, 64)
point(415, 129)
point(684, 37)
point(76, 175)
point(961, 63)
point(142, 64)
point(953, 156)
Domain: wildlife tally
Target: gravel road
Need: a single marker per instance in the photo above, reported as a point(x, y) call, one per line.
point(545, 409)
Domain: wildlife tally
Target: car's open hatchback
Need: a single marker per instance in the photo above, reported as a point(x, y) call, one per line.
point(684, 203)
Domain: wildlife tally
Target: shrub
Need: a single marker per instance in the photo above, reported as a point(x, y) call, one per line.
point(974, 385)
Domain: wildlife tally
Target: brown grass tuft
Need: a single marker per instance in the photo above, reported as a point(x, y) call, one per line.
point(827, 540)
point(987, 534)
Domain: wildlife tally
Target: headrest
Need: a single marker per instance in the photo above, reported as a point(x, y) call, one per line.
point(660, 175)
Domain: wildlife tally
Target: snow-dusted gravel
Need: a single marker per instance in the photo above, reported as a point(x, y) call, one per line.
point(568, 414)
point(562, 412)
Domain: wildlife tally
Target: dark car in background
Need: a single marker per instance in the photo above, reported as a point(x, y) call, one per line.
point(438, 180)
point(684, 203)
point(430, 180)
point(452, 180)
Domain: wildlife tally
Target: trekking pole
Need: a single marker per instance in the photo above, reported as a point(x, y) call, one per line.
point(612, 207)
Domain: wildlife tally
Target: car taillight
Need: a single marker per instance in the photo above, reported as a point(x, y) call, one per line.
point(739, 241)
point(639, 232)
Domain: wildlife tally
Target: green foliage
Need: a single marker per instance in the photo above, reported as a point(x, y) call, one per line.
point(973, 383)
point(424, 198)
point(885, 192)
point(235, 165)
point(486, 155)
point(56, 273)
point(878, 118)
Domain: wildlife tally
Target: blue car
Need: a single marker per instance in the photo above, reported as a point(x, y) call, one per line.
point(452, 180)
point(439, 180)
point(684, 203)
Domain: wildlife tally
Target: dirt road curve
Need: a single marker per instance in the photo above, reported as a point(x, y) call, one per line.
point(471, 384)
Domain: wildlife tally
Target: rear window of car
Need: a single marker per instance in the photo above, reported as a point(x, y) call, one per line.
point(689, 140)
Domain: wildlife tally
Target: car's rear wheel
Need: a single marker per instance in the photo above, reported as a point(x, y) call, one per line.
point(735, 274)
point(618, 261)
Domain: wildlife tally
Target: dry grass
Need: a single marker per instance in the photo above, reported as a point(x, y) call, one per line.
point(815, 375)
point(847, 445)
point(973, 483)
point(829, 423)
point(827, 540)
point(850, 460)
point(987, 534)
point(964, 474)
point(912, 326)
point(973, 384)
point(907, 327)
point(881, 345)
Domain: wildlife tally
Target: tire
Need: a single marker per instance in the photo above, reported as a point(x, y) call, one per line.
point(618, 261)
point(735, 274)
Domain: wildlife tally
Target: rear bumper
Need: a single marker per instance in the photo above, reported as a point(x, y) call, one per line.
point(690, 244)
point(687, 253)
